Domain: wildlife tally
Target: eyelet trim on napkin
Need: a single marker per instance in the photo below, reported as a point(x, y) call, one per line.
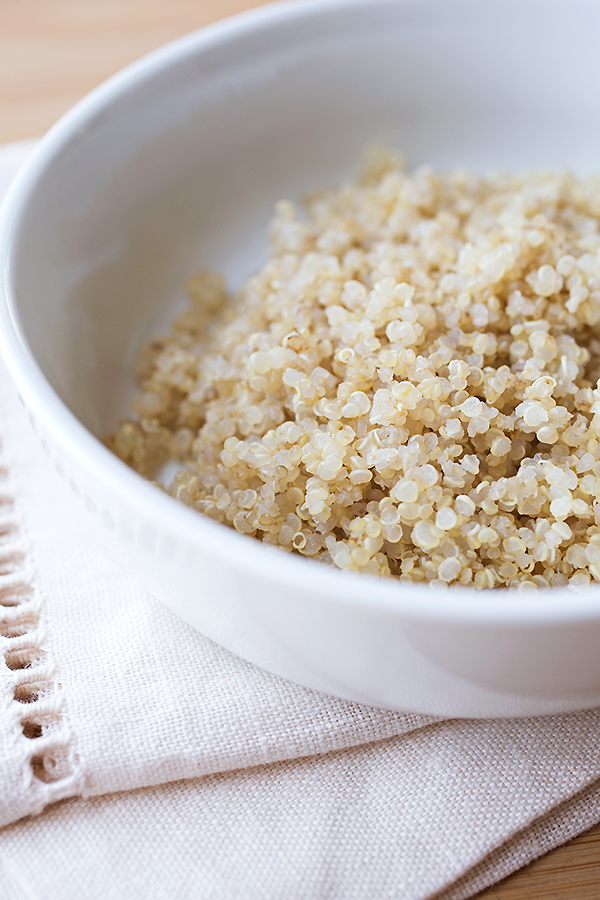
point(36, 705)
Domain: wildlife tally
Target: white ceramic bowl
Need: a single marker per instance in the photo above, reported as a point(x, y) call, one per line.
point(175, 163)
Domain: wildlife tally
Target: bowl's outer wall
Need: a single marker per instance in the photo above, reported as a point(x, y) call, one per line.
point(366, 653)
point(177, 165)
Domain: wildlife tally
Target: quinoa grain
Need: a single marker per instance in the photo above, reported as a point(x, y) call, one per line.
point(408, 387)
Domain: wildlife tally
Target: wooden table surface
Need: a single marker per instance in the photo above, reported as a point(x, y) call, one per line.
point(51, 53)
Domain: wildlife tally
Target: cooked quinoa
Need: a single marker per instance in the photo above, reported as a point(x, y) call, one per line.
point(408, 387)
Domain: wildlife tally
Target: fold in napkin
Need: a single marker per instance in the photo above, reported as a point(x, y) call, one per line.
point(185, 771)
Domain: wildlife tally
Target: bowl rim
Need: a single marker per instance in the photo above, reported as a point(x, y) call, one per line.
point(457, 604)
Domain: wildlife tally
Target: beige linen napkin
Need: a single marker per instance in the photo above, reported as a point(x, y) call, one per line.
point(193, 774)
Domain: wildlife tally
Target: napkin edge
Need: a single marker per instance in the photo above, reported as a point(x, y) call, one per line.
point(40, 736)
point(558, 826)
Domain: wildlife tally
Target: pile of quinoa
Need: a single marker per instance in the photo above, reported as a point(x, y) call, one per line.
point(408, 387)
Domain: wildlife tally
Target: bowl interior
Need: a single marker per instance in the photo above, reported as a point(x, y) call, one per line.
point(176, 164)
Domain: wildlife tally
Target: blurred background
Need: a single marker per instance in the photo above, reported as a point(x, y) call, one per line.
point(52, 52)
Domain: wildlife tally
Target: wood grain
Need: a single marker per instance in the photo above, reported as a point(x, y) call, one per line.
point(52, 52)
point(571, 871)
